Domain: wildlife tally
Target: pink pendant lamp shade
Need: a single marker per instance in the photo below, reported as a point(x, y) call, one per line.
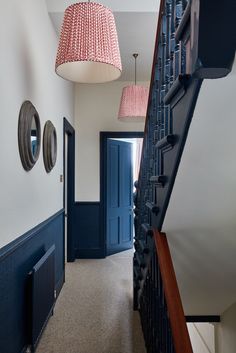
point(133, 105)
point(134, 101)
point(88, 49)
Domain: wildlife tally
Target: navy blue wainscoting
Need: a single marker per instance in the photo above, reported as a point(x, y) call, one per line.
point(16, 261)
point(89, 242)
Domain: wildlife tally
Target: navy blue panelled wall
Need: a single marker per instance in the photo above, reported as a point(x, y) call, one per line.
point(16, 261)
point(88, 239)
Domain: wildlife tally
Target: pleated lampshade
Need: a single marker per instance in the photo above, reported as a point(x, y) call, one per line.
point(133, 104)
point(88, 49)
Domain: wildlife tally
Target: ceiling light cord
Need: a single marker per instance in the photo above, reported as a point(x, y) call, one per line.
point(135, 68)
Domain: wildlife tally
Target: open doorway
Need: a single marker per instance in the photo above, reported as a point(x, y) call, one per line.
point(137, 144)
point(120, 158)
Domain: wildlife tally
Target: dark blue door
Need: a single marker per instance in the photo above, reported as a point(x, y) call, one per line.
point(119, 196)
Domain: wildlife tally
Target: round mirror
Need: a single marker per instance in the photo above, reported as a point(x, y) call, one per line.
point(49, 146)
point(29, 135)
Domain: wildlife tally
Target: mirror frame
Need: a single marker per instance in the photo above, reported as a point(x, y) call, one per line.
point(49, 139)
point(26, 115)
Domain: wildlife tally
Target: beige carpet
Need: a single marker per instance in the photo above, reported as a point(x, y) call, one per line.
point(94, 311)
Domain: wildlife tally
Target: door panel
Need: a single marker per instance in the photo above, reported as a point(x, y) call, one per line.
point(114, 176)
point(119, 196)
point(113, 230)
point(126, 175)
point(127, 224)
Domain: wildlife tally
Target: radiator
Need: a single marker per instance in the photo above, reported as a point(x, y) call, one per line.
point(42, 283)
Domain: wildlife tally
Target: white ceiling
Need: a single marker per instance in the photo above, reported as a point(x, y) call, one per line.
point(136, 23)
point(114, 5)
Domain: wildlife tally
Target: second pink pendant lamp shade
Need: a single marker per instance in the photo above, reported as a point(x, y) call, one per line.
point(88, 49)
point(134, 100)
point(133, 105)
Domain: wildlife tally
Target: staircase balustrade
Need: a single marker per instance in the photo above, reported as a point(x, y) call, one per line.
point(195, 40)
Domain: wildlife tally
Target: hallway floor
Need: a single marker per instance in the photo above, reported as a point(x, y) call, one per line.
point(93, 313)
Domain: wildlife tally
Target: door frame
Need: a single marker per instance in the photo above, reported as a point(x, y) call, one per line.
point(69, 130)
point(104, 136)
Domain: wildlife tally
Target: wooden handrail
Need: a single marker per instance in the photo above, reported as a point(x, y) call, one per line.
point(180, 333)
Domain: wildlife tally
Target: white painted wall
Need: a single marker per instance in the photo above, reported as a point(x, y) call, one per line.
point(226, 331)
point(28, 48)
point(96, 110)
point(202, 336)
